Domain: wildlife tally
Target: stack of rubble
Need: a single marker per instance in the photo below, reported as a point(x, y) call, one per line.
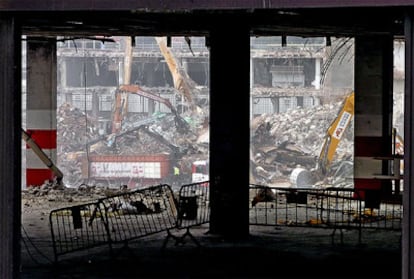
point(279, 142)
point(282, 142)
point(78, 136)
point(75, 128)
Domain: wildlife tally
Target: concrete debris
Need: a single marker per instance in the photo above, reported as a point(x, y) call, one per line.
point(75, 128)
point(52, 192)
point(280, 143)
point(79, 137)
point(283, 142)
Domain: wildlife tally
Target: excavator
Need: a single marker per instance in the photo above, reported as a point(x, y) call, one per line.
point(304, 178)
point(119, 107)
point(334, 134)
point(182, 82)
point(118, 114)
point(91, 168)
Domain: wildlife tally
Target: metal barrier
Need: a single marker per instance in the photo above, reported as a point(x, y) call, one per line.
point(193, 210)
point(128, 216)
point(139, 213)
point(77, 227)
point(134, 214)
point(333, 208)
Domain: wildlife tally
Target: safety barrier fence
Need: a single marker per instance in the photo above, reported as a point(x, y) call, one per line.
point(135, 214)
point(124, 217)
point(194, 210)
point(333, 208)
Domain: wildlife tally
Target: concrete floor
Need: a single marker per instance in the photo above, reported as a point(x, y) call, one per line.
point(268, 252)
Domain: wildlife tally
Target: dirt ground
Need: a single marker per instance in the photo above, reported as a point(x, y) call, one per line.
point(268, 252)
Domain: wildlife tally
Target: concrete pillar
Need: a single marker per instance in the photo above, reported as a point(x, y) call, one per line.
point(317, 81)
point(275, 104)
point(185, 65)
point(229, 129)
point(95, 104)
point(408, 223)
point(63, 81)
point(63, 73)
point(10, 148)
point(373, 115)
point(41, 107)
point(251, 86)
point(120, 72)
point(128, 57)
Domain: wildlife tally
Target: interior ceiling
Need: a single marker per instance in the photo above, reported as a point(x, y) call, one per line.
point(336, 22)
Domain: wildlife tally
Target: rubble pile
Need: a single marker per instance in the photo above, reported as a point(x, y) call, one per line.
point(74, 129)
point(54, 192)
point(282, 142)
point(279, 144)
point(79, 137)
point(40, 200)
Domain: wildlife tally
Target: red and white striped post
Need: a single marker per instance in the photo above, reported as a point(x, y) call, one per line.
point(41, 122)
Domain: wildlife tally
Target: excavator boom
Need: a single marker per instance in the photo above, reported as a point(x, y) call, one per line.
point(132, 88)
point(182, 82)
point(135, 89)
point(335, 133)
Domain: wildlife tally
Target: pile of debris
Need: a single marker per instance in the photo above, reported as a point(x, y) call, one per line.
point(79, 137)
point(279, 142)
point(74, 129)
point(54, 192)
point(283, 142)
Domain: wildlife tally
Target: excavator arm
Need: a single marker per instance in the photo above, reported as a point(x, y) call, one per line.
point(182, 82)
point(335, 133)
point(182, 125)
point(118, 111)
point(135, 89)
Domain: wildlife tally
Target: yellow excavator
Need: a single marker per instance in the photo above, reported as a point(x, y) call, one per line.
point(335, 132)
point(333, 137)
point(301, 177)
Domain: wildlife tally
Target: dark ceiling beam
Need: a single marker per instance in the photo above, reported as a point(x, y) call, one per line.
point(189, 5)
point(265, 22)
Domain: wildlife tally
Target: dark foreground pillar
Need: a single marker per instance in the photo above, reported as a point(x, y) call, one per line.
point(373, 116)
point(229, 128)
point(408, 197)
point(10, 148)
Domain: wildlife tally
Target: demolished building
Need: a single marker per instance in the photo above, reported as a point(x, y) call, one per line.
point(285, 78)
